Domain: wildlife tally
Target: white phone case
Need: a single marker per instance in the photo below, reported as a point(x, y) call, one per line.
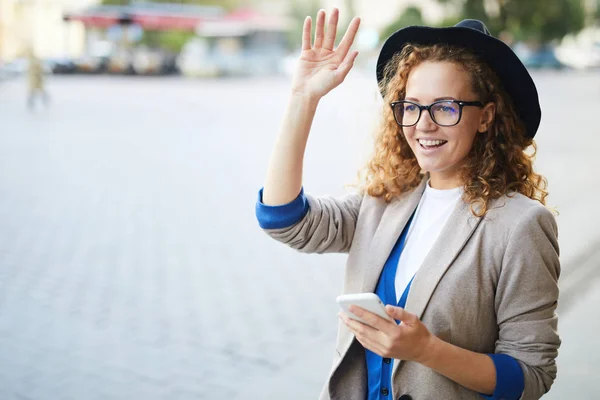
point(369, 301)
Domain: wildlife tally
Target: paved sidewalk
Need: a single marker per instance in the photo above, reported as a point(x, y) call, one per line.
point(579, 357)
point(132, 266)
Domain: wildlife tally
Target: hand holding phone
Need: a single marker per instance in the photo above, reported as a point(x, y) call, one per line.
point(368, 301)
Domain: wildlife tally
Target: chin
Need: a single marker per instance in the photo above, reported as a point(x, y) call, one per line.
point(428, 166)
point(432, 168)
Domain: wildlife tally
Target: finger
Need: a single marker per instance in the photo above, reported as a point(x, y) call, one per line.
point(370, 344)
point(320, 29)
point(401, 314)
point(357, 327)
point(348, 38)
point(372, 319)
point(346, 66)
point(331, 29)
point(306, 33)
point(369, 337)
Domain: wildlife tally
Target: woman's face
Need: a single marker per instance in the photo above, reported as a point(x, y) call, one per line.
point(431, 81)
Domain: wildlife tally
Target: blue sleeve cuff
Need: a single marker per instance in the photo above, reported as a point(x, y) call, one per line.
point(510, 380)
point(282, 216)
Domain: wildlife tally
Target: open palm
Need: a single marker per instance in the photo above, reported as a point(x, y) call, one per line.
point(320, 67)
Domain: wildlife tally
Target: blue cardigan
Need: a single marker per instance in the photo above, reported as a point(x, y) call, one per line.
point(509, 376)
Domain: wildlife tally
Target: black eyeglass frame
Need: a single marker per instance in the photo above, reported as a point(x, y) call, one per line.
point(460, 103)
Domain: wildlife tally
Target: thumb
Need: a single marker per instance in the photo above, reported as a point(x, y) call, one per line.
point(401, 314)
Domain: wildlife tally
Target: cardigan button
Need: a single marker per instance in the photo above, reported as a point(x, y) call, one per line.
point(387, 360)
point(405, 397)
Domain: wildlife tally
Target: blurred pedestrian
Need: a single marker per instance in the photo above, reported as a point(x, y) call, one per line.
point(449, 228)
point(36, 81)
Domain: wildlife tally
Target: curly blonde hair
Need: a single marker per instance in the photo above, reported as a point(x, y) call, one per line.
point(497, 163)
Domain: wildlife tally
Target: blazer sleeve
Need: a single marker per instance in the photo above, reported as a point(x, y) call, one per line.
point(327, 227)
point(526, 300)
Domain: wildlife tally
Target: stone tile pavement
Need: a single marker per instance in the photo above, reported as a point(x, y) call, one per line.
point(131, 264)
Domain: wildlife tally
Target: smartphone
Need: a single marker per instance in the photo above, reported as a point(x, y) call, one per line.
point(369, 301)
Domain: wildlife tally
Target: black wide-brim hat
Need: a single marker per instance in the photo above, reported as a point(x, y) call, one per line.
point(474, 35)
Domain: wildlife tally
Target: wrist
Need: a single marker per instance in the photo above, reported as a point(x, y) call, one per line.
point(309, 99)
point(431, 350)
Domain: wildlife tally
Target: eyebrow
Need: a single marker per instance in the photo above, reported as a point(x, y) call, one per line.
point(436, 99)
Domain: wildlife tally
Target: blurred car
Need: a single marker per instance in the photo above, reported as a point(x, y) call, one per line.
point(3, 75)
point(543, 57)
point(120, 62)
point(194, 61)
point(62, 65)
point(89, 64)
point(152, 62)
point(231, 56)
point(19, 66)
point(15, 68)
point(581, 50)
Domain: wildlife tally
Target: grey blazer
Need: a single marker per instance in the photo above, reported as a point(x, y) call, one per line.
point(488, 284)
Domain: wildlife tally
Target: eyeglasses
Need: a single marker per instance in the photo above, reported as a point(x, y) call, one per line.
point(442, 112)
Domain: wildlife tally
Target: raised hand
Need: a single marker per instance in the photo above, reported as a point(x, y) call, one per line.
point(320, 67)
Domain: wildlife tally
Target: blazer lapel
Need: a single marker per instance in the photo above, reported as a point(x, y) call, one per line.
point(392, 222)
point(455, 234)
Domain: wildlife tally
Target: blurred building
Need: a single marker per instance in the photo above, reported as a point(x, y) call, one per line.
point(149, 16)
point(39, 24)
point(215, 42)
point(114, 34)
point(244, 42)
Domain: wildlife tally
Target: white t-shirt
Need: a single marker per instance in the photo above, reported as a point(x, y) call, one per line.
point(431, 215)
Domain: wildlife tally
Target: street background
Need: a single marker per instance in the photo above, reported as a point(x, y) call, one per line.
point(132, 265)
point(131, 261)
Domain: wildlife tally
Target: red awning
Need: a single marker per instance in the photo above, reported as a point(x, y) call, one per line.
point(166, 22)
point(96, 21)
point(245, 20)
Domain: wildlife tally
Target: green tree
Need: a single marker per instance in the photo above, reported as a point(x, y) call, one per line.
point(410, 16)
point(168, 40)
point(532, 20)
point(597, 11)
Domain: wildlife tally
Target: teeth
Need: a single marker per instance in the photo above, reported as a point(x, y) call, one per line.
point(431, 142)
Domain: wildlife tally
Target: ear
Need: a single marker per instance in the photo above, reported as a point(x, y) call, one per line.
point(487, 117)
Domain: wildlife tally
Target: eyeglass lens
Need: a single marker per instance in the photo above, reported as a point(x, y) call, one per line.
point(442, 113)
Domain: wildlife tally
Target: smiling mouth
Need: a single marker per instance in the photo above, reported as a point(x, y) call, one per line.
point(431, 144)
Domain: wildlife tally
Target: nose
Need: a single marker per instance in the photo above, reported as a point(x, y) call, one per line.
point(425, 123)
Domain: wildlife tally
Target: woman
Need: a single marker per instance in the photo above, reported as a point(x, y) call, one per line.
point(450, 229)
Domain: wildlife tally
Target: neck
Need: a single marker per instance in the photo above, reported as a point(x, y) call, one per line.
point(443, 183)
